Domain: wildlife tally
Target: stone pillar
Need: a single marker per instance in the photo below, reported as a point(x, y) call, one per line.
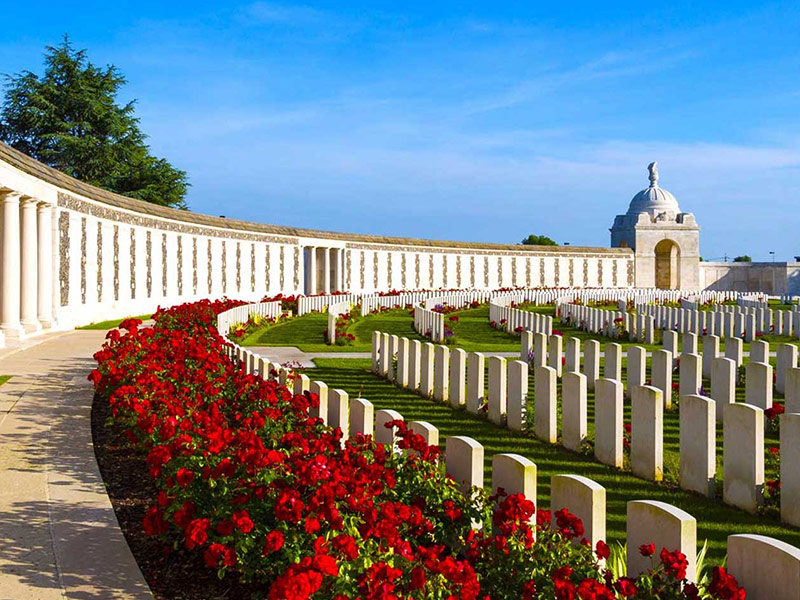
point(573, 410)
point(743, 456)
point(790, 474)
point(555, 353)
point(526, 347)
point(583, 498)
point(498, 385)
point(572, 355)
point(670, 343)
point(311, 271)
point(767, 568)
point(734, 349)
point(45, 267)
point(689, 343)
point(691, 372)
point(476, 363)
point(612, 368)
point(786, 359)
point(426, 374)
point(441, 365)
point(326, 270)
point(545, 404)
point(792, 402)
point(647, 433)
point(29, 266)
point(429, 433)
point(10, 301)
point(758, 385)
point(383, 434)
point(698, 444)
point(637, 368)
point(464, 462)
point(401, 375)
point(385, 358)
point(339, 412)
point(539, 349)
point(517, 395)
point(759, 351)
point(458, 371)
point(320, 390)
point(515, 474)
point(662, 374)
point(710, 353)
point(591, 362)
point(653, 522)
point(723, 384)
point(376, 351)
point(414, 363)
point(362, 417)
point(608, 422)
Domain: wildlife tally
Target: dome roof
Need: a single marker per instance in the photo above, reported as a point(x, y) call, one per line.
point(654, 200)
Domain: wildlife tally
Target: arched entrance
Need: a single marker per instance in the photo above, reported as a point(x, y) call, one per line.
point(668, 271)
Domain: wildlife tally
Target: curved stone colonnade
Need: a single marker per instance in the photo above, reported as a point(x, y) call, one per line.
point(73, 254)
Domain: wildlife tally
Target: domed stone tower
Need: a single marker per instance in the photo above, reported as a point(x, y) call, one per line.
point(665, 241)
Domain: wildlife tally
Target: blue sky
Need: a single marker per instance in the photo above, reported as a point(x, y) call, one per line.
point(459, 120)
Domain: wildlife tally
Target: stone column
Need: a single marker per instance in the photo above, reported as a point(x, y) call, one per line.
point(647, 436)
point(326, 270)
point(29, 266)
point(10, 305)
point(45, 266)
point(591, 362)
point(573, 411)
point(743, 456)
point(311, 273)
point(723, 384)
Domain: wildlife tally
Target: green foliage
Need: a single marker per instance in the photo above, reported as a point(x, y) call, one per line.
point(743, 258)
point(538, 240)
point(69, 119)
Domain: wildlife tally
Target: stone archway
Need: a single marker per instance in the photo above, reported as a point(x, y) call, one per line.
point(668, 270)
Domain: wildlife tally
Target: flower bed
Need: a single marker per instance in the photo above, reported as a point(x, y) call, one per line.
point(246, 479)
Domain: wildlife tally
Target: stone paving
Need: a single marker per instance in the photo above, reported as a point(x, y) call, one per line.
point(59, 536)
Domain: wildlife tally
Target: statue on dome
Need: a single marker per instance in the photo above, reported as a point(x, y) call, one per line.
point(653, 168)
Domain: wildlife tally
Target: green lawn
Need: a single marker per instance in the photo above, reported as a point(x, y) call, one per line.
point(113, 323)
point(473, 332)
point(715, 520)
point(4, 378)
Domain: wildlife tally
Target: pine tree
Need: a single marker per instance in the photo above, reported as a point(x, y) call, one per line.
point(69, 119)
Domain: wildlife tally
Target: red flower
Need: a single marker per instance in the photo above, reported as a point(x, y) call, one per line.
point(602, 550)
point(197, 533)
point(647, 549)
point(243, 521)
point(626, 587)
point(184, 477)
point(675, 563)
point(724, 586)
point(274, 542)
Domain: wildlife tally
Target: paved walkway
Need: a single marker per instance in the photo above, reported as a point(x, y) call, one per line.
point(59, 536)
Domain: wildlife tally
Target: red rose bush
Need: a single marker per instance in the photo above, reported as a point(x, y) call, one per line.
point(259, 488)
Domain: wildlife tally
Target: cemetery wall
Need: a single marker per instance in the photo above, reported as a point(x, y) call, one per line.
point(774, 278)
point(75, 254)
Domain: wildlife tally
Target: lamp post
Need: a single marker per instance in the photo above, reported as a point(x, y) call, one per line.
point(773, 256)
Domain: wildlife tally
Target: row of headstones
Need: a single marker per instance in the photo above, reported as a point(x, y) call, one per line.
point(725, 321)
point(516, 318)
point(435, 371)
point(307, 304)
point(241, 314)
point(429, 322)
point(598, 320)
point(765, 567)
